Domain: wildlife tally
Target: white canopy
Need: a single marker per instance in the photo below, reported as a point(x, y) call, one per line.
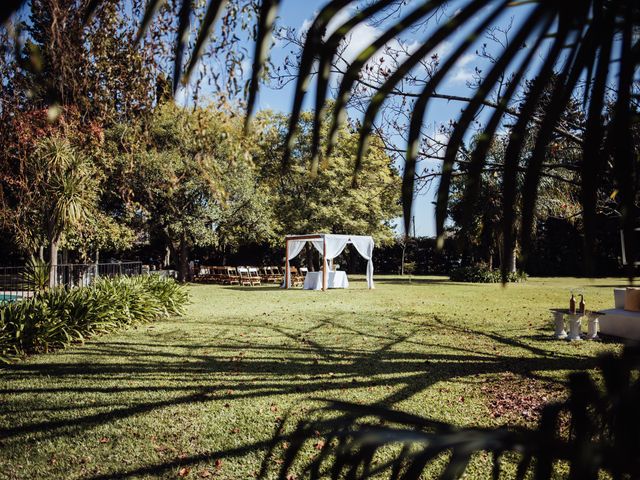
point(330, 246)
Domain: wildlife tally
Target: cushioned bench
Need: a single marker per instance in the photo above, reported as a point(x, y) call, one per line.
point(618, 321)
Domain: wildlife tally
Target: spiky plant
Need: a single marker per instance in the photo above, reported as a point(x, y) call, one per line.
point(35, 275)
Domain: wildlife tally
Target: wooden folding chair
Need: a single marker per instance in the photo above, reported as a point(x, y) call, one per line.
point(243, 274)
point(232, 276)
point(254, 276)
point(265, 274)
point(297, 280)
point(278, 275)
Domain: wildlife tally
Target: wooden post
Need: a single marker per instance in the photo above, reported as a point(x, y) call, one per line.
point(286, 265)
point(324, 264)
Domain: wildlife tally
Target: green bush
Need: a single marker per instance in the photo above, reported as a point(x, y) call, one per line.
point(35, 275)
point(481, 273)
point(55, 318)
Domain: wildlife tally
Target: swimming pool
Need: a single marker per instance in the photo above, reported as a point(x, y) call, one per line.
point(9, 297)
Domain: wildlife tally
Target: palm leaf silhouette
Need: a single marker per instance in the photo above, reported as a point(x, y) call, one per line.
point(589, 39)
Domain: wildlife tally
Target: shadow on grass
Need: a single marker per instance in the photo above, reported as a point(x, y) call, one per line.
point(209, 372)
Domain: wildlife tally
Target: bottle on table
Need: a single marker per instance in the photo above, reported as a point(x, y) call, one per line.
point(583, 305)
point(572, 304)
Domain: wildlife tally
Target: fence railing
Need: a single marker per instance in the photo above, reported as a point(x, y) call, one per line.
point(15, 282)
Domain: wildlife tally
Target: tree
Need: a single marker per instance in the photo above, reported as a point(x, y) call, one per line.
point(198, 189)
point(478, 226)
point(65, 192)
point(329, 201)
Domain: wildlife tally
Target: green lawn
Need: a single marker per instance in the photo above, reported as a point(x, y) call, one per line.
point(201, 395)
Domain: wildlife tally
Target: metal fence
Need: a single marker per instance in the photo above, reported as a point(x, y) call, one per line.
point(15, 282)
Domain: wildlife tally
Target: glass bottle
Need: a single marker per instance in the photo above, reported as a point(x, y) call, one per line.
point(572, 304)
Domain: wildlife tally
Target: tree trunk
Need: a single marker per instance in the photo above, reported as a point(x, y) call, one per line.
point(167, 257)
point(183, 260)
point(309, 256)
point(53, 261)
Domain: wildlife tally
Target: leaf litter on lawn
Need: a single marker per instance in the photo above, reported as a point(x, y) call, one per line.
point(520, 399)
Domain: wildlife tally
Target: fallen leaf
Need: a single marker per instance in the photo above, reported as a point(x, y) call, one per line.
point(204, 473)
point(184, 471)
point(104, 440)
point(218, 464)
point(319, 445)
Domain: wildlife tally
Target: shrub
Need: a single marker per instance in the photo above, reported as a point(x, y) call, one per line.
point(35, 275)
point(55, 318)
point(481, 273)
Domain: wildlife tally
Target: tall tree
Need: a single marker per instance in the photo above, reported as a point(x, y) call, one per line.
point(64, 192)
point(332, 200)
point(194, 184)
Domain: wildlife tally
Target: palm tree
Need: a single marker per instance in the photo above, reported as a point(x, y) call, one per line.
point(66, 190)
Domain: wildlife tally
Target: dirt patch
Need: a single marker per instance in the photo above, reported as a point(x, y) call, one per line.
point(516, 399)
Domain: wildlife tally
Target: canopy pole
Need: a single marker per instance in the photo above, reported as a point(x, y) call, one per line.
point(324, 263)
point(286, 265)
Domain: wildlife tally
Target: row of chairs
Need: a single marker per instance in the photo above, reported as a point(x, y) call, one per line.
point(249, 276)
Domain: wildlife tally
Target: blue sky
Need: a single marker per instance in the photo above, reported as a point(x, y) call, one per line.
point(297, 14)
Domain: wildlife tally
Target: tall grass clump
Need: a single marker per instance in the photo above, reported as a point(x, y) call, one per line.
point(57, 317)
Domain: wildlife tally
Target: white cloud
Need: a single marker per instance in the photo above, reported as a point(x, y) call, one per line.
point(462, 71)
point(360, 37)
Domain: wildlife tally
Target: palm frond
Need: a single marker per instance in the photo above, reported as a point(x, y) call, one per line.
point(182, 36)
point(309, 52)
point(517, 137)
point(353, 71)
point(420, 106)
point(593, 156)
point(149, 13)
point(211, 16)
point(479, 153)
point(268, 11)
point(8, 8)
point(327, 53)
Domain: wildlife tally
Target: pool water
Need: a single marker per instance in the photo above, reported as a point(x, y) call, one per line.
point(9, 297)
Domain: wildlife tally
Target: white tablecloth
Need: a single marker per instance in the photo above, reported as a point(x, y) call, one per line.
point(338, 279)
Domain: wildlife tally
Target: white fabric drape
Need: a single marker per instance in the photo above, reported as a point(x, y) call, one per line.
point(295, 247)
point(335, 244)
point(364, 245)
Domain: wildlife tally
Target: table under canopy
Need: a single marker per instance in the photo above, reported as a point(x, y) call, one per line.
point(330, 246)
point(335, 279)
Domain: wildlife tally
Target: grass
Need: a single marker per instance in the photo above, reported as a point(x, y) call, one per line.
point(201, 395)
